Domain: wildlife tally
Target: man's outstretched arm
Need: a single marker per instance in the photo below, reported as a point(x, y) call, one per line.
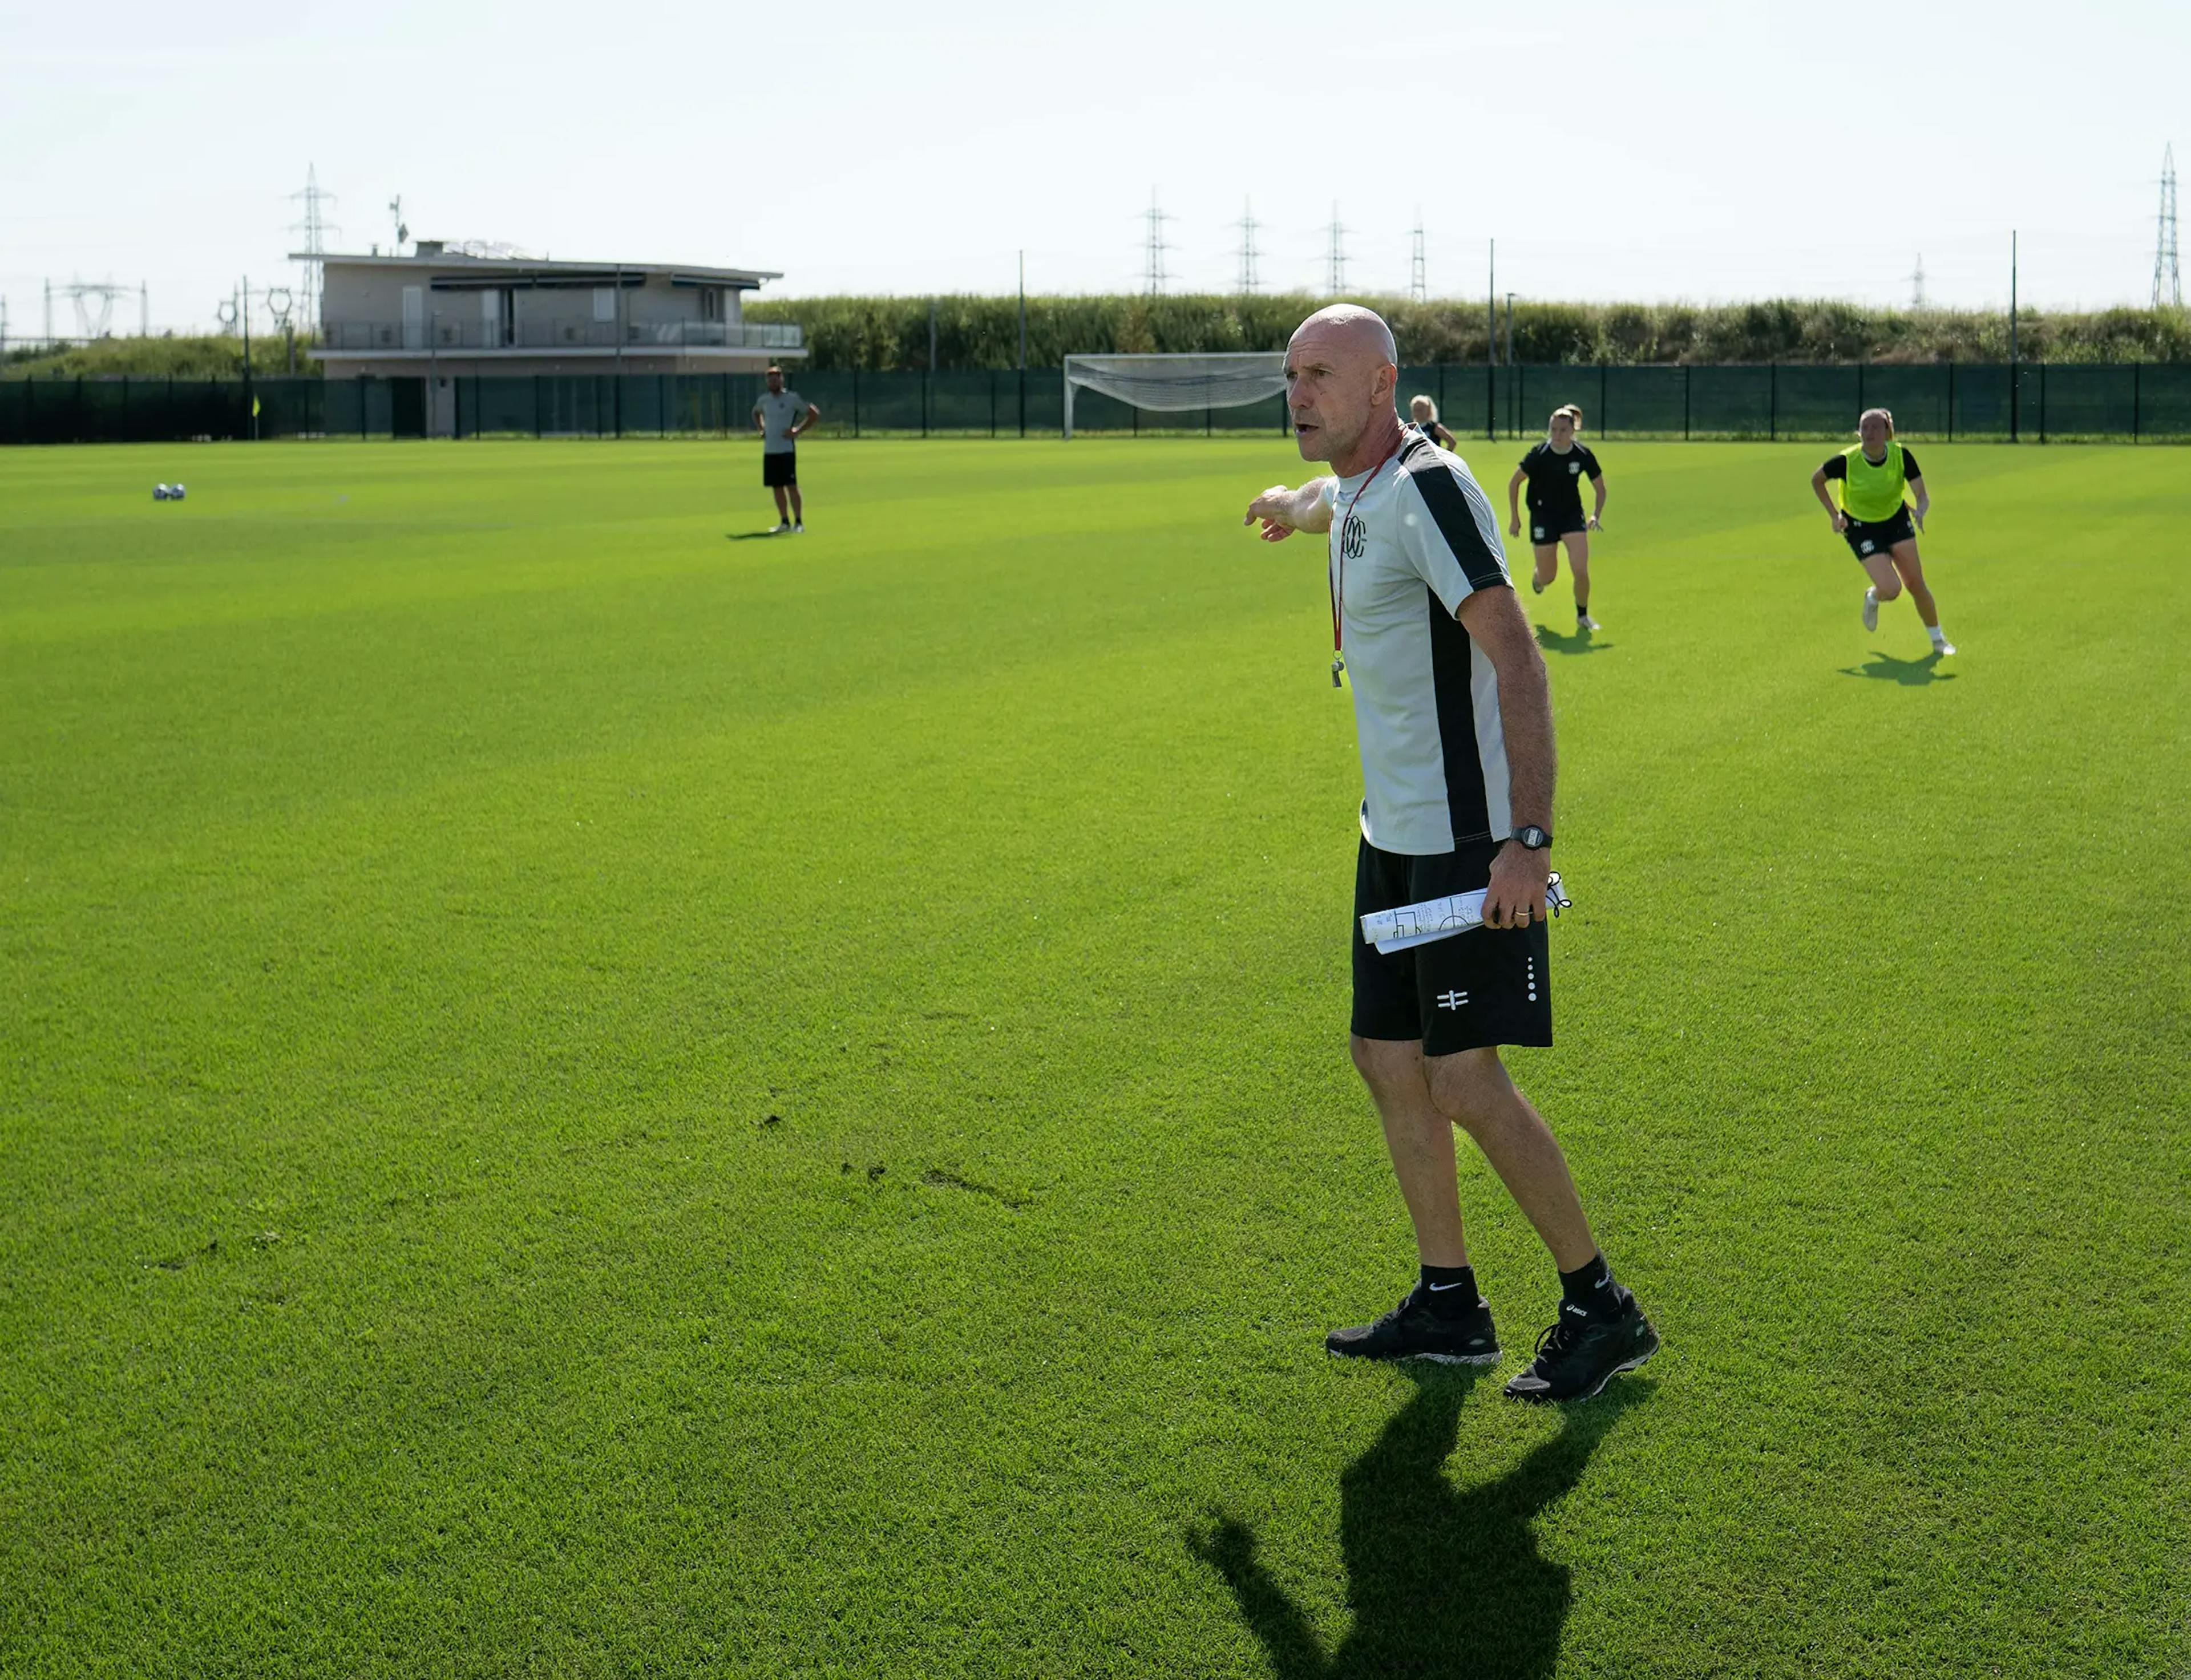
point(1283, 512)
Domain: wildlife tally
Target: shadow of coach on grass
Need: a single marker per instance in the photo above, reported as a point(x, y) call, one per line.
point(1444, 1584)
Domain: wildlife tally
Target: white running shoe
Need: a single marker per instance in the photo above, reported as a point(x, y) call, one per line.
point(1536, 584)
point(778, 529)
point(799, 530)
point(1584, 622)
point(1944, 646)
point(1871, 608)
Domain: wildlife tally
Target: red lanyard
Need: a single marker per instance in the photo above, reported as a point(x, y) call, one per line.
point(1338, 593)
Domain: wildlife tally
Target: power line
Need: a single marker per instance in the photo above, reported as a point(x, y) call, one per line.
point(1335, 263)
point(316, 228)
point(2167, 277)
point(1154, 274)
point(1418, 274)
point(1249, 278)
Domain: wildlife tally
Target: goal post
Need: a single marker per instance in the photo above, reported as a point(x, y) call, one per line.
point(1176, 383)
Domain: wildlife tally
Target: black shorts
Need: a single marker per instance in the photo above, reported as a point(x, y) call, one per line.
point(1486, 986)
point(1549, 528)
point(779, 470)
point(1865, 540)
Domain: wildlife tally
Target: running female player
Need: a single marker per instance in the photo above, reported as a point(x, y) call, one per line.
point(1876, 473)
point(1423, 412)
point(1554, 470)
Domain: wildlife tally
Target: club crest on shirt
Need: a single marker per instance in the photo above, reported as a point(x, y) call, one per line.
point(1353, 538)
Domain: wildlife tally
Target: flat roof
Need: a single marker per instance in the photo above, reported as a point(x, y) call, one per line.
point(517, 267)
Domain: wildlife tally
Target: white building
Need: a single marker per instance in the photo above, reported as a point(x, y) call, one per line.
point(436, 315)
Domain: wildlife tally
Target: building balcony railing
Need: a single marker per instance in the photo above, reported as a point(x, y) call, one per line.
point(443, 334)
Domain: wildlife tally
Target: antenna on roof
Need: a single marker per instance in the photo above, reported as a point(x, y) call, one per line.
point(395, 211)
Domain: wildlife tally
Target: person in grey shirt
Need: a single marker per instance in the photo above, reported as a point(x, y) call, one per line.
point(780, 416)
point(1453, 712)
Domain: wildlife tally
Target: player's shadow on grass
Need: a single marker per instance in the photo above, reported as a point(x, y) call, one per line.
point(1443, 1584)
point(749, 536)
point(1911, 674)
point(1582, 641)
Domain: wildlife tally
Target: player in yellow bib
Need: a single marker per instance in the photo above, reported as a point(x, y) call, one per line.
point(1878, 481)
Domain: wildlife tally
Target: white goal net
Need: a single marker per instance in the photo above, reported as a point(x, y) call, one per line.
point(1175, 384)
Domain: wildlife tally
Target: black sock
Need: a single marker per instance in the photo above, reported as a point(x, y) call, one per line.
point(1590, 1291)
point(1451, 1289)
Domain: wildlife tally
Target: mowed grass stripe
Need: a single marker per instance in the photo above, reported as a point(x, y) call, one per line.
point(441, 955)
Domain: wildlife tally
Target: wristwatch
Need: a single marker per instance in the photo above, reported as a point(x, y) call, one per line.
point(1532, 837)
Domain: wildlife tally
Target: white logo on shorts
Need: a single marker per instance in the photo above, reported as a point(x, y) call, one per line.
point(1537, 531)
point(1452, 1000)
point(1864, 548)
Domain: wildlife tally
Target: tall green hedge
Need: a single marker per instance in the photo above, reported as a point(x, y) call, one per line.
point(881, 333)
point(888, 333)
point(191, 356)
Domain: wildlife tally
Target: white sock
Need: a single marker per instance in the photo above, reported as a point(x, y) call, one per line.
point(1939, 634)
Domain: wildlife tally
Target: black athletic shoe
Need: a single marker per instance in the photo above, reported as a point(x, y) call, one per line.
point(1578, 1355)
point(1415, 1330)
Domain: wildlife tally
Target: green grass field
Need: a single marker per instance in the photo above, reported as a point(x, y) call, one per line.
point(582, 1095)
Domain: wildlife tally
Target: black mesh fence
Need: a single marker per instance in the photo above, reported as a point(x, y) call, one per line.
point(2033, 402)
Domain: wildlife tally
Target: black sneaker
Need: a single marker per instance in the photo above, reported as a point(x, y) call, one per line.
point(1416, 1330)
point(1578, 1355)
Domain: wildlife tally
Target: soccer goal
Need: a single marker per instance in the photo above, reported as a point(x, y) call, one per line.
point(1176, 383)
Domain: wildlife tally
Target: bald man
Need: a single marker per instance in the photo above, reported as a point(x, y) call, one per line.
point(1453, 712)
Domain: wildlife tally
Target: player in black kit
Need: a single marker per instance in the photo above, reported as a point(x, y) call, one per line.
point(1423, 413)
point(1554, 471)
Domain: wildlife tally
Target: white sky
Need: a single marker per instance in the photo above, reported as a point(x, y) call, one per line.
point(1686, 149)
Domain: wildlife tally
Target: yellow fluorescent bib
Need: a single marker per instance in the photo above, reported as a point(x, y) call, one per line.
point(1873, 493)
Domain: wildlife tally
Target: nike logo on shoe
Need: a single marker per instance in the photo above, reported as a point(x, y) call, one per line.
point(1440, 1288)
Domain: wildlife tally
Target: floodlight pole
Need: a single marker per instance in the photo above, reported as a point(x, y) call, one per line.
point(1491, 348)
point(2015, 378)
point(247, 398)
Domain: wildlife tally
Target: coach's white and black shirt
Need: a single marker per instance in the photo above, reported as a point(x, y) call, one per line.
point(1417, 541)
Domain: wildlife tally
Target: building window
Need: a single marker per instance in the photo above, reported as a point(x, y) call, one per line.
point(604, 302)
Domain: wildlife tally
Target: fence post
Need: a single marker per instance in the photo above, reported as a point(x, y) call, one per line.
point(924, 402)
point(1772, 401)
point(2136, 368)
point(1024, 397)
point(2042, 403)
point(1685, 402)
point(992, 402)
point(1951, 402)
point(1604, 407)
point(856, 402)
